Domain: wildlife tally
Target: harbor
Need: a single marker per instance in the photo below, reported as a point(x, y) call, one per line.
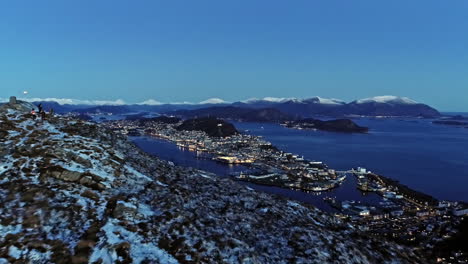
point(200, 160)
point(271, 165)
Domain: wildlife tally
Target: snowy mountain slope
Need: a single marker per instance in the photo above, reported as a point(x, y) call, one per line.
point(389, 106)
point(386, 99)
point(320, 100)
point(213, 101)
point(268, 100)
point(316, 99)
point(73, 192)
point(315, 106)
point(375, 106)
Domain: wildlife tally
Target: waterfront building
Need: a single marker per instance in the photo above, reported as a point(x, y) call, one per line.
point(364, 212)
point(460, 211)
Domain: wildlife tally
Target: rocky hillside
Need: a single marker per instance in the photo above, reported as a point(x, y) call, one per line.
point(73, 192)
point(212, 126)
point(337, 125)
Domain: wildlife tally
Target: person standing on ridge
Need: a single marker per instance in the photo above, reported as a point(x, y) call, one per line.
point(43, 115)
point(40, 108)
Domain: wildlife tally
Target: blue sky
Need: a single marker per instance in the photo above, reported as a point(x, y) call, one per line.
point(175, 51)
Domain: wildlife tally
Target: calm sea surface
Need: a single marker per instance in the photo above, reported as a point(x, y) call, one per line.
point(427, 157)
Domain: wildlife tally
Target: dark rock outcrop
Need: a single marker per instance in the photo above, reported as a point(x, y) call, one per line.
point(388, 109)
point(338, 125)
point(159, 119)
point(17, 105)
point(212, 126)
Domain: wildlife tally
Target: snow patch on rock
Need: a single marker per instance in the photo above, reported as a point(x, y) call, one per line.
point(140, 250)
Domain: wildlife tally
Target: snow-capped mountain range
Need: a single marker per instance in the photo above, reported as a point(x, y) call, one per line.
point(315, 99)
point(387, 105)
point(388, 99)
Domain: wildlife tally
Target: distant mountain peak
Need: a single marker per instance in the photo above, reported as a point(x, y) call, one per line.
point(213, 101)
point(150, 102)
point(315, 99)
point(270, 100)
point(320, 100)
point(387, 99)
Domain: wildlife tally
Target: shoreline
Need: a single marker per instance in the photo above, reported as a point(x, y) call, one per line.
point(257, 164)
point(285, 184)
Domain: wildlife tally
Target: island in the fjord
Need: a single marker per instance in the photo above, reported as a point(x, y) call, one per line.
point(450, 123)
point(142, 119)
point(273, 116)
point(452, 120)
point(213, 127)
point(338, 125)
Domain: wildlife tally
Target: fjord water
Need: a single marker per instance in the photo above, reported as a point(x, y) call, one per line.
point(167, 150)
point(427, 157)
